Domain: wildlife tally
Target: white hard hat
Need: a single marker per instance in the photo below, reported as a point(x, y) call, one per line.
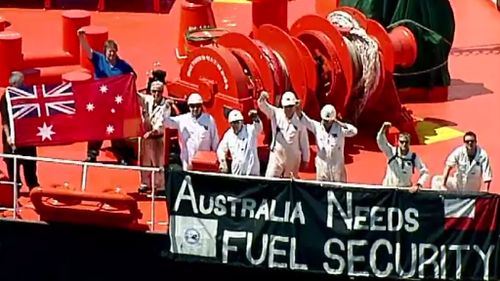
point(328, 112)
point(194, 98)
point(235, 115)
point(288, 99)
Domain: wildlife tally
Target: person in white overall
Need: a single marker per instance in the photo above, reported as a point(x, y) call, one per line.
point(290, 144)
point(196, 129)
point(241, 142)
point(473, 168)
point(401, 162)
point(152, 144)
point(330, 139)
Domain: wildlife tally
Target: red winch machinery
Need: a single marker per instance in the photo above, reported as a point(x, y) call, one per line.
point(312, 58)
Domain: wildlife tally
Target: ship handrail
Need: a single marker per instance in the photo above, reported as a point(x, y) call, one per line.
point(85, 165)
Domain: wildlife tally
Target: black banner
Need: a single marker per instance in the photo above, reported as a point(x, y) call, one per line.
point(333, 229)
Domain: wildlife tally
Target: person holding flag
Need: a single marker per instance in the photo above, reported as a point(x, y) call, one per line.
point(107, 65)
point(29, 167)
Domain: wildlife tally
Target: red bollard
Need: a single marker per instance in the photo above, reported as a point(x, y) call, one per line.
point(405, 46)
point(193, 16)
point(72, 21)
point(96, 36)
point(273, 12)
point(10, 54)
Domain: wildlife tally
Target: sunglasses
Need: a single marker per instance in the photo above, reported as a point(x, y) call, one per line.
point(156, 91)
point(195, 105)
point(403, 141)
point(469, 141)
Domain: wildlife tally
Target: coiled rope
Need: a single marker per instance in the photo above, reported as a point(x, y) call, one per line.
point(364, 48)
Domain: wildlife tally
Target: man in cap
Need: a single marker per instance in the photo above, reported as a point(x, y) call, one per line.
point(197, 130)
point(153, 109)
point(473, 168)
point(241, 142)
point(330, 139)
point(401, 162)
point(290, 144)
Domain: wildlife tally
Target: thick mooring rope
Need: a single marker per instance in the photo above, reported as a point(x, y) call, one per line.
point(364, 48)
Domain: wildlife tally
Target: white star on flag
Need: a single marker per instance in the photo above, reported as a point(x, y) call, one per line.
point(118, 99)
point(45, 132)
point(113, 110)
point(90, 107)
point(103, 89)
point(110, 129)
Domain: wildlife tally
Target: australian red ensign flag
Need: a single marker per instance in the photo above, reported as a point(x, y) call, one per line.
point(102, 109)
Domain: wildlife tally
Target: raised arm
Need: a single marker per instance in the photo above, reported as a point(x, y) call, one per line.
point(382, 142)
point(309, 123)
point(85, 44)
point(264, 105)
point(257, 123)
point(348, 129)
point(169, 121)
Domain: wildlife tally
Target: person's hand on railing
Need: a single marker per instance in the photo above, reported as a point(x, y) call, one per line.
point(223, 167)
point(10, 142)
point(415, 188)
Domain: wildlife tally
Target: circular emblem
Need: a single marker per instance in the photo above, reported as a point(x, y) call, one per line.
point(192, 236)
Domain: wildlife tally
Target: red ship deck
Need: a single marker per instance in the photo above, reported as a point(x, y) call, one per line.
point(474, 96)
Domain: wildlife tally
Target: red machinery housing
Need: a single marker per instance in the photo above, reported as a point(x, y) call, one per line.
point(310, 58)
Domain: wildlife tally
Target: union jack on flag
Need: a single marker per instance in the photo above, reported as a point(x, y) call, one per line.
point(41, 100)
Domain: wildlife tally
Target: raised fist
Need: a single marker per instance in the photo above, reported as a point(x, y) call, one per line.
point(252, 113)
point(264, 95)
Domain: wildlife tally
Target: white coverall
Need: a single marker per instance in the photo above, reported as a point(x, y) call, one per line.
point(329, 161)
point(194, 134)
point(469, 174)
point(400, 170)
point(289, 145)
point(243, 149)
point(152, 154)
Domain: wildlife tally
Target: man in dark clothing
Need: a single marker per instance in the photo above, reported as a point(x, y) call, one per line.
point(107, 64)
point(29, 166)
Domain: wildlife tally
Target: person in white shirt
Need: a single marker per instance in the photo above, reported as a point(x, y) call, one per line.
point(290, 144)
point(330, 139)
point(401, 162)
point(197, 130)
point(241, 142)
point(152, 145)
point(472, 168)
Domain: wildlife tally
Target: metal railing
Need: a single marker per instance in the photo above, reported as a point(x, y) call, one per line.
point(85, 166)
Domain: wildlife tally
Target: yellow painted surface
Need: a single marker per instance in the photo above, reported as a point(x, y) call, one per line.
point(432, 131)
